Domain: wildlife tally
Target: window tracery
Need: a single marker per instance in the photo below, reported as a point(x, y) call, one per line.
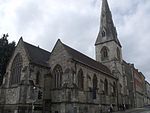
point(80, 79)
point(104, 53)
point(16, 69)
point(94, 86)
point(57, 74)
point(106, 87)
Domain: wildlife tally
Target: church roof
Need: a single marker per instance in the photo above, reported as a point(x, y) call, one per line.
point(78, 56)
point(107, 26)
point(40, 57)
point(37, 55)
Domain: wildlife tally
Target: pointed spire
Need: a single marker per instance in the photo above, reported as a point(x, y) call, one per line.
point(21, 38)
point(107, 29)
point(105, 6)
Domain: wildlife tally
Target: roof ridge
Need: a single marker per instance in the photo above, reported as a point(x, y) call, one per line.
point(36, 47)
point(66, 46)
point(77, 51)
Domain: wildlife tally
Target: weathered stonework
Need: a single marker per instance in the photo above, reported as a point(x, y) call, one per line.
point(67, 81)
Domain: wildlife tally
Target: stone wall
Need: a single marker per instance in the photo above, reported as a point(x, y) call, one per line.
point(71, 99)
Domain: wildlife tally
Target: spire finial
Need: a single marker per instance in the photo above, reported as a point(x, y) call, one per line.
point(105, 5)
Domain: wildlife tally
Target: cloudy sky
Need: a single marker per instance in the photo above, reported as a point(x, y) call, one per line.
point(76, 23)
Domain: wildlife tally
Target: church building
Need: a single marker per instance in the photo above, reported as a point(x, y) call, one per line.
point(65, 80)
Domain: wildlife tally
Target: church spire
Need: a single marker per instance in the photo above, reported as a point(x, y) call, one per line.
point(107, 30)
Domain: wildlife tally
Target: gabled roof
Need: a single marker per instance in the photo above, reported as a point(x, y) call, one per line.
point(76, 55)
point(37, 55)
point(40, 56)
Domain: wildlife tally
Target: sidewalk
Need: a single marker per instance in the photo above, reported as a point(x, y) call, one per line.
point(129, 110)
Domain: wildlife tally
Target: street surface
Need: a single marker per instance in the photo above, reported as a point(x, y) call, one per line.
point(136, 110)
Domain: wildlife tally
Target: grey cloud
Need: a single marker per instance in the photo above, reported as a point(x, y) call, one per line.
point(76, 23)
point(28, 16)
point(77, 29)
point(134, 33)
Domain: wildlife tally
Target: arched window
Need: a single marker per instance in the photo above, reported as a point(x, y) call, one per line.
point(104, 53)
point(102, 85)
point(118, 54)
point(37, 78)
point(94, 82)
point(94, 86)
point(16, 69)
point(57, 74)
point(114, 88)
point(103, 33)
point(80, 79)
point(106, 87)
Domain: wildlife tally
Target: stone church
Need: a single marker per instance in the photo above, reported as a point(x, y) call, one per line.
point(65, 80)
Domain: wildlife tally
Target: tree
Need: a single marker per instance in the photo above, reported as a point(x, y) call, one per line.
point(6, 51)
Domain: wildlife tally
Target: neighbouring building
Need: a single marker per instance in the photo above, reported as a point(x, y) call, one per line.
point(139, 87)
point(128, 73)
point(147, 97)
point(67, 81)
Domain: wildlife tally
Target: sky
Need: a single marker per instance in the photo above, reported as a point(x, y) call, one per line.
point(76, 23)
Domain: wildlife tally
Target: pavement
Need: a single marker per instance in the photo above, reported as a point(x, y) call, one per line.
point(135, 110)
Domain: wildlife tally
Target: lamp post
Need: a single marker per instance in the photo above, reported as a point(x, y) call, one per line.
point(34, 99)
point(37, 96)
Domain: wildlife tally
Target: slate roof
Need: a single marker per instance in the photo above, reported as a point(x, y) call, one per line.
point(76, 55)
point(37, 55)
point(40, 56)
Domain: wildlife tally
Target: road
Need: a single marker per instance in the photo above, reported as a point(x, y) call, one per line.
point(137, 110)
